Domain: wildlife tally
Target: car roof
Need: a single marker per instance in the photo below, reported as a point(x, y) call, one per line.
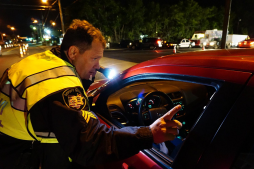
point(231, 59)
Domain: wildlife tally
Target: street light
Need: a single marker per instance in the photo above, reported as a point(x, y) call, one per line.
point(60, 12)
point(53, 23)
point(34, 28)
point(35, 21)
point(4, 34)
point(12, 28)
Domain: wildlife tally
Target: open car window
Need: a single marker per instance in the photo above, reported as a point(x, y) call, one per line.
point(141, 103)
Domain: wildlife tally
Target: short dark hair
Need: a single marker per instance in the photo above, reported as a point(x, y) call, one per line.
point(81, 34)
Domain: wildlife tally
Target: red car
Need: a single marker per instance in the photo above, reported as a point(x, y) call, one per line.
point(246, 43)
point(216, 91)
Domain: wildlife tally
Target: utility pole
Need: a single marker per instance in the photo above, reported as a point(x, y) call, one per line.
point(225, 24)
point(238, 25)
point(61, 16)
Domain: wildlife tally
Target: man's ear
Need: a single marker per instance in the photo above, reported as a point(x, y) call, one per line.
point(73, 52)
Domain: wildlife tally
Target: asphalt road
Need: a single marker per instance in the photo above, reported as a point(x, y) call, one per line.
point(119, 59)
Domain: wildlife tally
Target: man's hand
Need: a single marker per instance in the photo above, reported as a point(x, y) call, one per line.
point(164, 128)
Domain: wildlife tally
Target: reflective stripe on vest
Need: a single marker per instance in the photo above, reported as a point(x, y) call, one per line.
point(29, 81)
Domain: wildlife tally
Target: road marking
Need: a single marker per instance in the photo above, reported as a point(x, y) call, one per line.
point(10, 50)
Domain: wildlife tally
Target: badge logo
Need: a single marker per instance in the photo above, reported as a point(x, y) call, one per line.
point(73, 98)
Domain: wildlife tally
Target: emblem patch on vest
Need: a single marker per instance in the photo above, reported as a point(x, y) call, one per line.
point(74, 98)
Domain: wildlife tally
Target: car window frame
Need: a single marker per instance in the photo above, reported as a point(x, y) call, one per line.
point(217, 84)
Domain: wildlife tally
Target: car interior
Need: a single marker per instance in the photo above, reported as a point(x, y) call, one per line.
point(140, 103)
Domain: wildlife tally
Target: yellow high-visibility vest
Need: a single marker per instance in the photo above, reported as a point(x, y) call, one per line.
point(29, 81)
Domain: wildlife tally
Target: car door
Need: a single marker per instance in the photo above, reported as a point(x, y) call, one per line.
point(187, 44)
point(233, 143)
point(182, 44)
point(184, 153)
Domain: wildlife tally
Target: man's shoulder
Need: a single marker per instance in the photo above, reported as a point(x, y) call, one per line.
point(70, 97)
point(56, 51)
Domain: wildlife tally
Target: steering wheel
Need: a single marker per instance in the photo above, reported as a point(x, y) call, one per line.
point(148, 116)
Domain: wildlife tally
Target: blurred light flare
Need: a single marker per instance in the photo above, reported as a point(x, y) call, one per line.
point(112, 73)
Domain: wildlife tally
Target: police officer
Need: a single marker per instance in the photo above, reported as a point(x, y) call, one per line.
point(44, 112)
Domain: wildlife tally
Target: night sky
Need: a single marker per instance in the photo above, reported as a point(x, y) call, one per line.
point(11, 13)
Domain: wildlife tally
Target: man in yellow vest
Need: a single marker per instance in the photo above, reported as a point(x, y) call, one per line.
point(44, 112)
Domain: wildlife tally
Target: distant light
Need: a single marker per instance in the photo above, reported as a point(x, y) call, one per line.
point(46, 37)
point(53, 23)
point(12, 28)
point(35, 21)
point(47, 31)
point(34, 28)
point(17, 35)
point(4, 34)
point(44, 1)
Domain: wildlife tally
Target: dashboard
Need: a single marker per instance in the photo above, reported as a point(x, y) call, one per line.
point(123, 105)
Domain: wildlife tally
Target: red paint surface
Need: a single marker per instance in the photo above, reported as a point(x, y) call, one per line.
point(221, 74)
point(251, 82)
point(97, 84)
point(233, 59)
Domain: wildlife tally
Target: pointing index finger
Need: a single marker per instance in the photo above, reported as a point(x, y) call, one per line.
point(169, 115)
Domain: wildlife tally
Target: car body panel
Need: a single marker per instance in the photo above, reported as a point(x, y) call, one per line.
point(246, 43)
point(137, 161)
point(228, 75)
point(251, 82)
point(232, 59)
point(96, 85)
point(202, 134)
point(186, 43)
point(210, 146)
point(223, 150)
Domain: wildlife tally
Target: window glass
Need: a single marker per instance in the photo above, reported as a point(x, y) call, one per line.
point(183, 41)
point(187, 41)
point(139, 103)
